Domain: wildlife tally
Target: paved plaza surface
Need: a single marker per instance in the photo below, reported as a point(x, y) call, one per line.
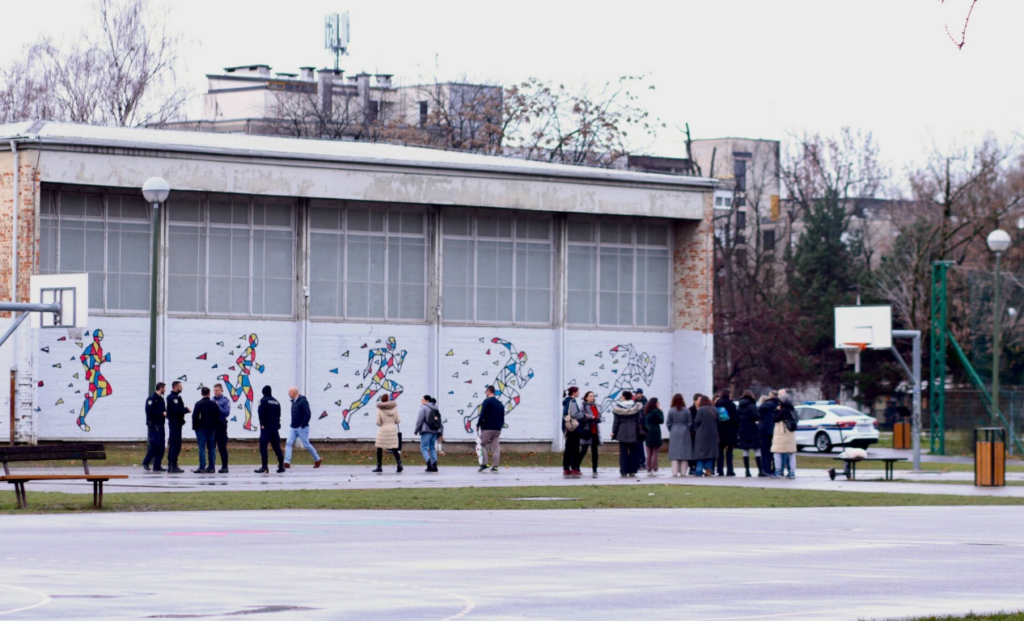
point(652, 564)
point(242, 478)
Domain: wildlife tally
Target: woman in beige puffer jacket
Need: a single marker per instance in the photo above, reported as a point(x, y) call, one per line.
point(387, 436)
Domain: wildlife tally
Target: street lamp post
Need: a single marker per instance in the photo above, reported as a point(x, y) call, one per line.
point(155, 191)
point(998, 242)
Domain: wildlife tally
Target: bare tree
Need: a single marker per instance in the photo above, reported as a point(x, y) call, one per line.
point(125, 76)
point(308, 115)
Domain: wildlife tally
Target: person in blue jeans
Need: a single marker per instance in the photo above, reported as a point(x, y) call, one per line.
point(430, 429)
point(301, 415)
point(205, 418)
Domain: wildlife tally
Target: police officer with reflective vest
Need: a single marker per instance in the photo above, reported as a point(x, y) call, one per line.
point(176, 411)
point(156, 411)
point(269, 412)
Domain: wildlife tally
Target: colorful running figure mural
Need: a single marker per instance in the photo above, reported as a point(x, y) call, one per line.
point(507, 383)
point(246, 363)
point(92, 358)
point(387, 360)
point(639, 368)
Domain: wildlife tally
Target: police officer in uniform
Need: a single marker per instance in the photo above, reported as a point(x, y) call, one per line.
point(176, 411)
point(269, 412)
point(156, 411)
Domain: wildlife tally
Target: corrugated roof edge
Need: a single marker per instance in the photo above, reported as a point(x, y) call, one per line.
point(279, 147)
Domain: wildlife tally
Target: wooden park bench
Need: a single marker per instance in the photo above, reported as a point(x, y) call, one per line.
point(56, 452)
point(890, 465)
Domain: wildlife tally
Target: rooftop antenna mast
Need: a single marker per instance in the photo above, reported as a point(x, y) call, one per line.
point(336, 37)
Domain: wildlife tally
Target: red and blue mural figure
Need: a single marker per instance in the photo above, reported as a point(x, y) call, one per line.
point(507, 383)
point(242, 386)
point(99, 387)
point(387, 360)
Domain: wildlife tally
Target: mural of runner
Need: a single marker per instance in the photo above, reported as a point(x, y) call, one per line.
point(92, 358)
point(386, 359)
point(507, 382)
point(242, 386)
point(639, 367)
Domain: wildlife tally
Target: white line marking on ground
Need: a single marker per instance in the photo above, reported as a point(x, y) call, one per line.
point(46, 599)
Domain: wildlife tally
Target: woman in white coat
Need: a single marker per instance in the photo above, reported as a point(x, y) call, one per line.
point(387, 435)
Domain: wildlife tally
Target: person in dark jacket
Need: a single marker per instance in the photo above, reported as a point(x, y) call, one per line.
point(269, 412)
point(224, 405)
point(784, 439)
point(626, 431)
point(205, 418)
point(748, 438)
point(693, 432)
point(726, 433)
point(571, 411)
point(489, 425)
point(638, 397)
point(429, 436)
point(766, 427)
point(654, 418)
point(176, 411)
point(705, 444)
point(301, 415)
point(156, 413)
point(590, 436)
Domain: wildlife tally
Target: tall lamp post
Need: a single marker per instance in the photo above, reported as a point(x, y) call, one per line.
point(155, 191)
point(998, 242)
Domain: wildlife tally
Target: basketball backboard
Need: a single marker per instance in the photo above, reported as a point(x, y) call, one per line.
point(867, 325)
point(70, 291)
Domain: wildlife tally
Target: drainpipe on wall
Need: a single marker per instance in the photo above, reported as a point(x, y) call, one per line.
point(16, 182)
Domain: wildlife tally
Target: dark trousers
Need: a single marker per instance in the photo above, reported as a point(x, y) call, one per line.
point(394, 453)
point(593, 456)
point(767, 461)
point(273, 438)
point(207, 440)
point(725, 460)
point(629, 457)
point(173, 443)
point(571, 454)
point(222, 442)
point(155, 452)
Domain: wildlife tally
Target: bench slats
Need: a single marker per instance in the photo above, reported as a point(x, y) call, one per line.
point(51, 448)
point(65, 456)
point(61, 477)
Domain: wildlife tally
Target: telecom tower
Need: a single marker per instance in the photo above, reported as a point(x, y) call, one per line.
point(336, 36)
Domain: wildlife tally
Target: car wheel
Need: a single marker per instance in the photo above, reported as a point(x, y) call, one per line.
point(823, 443)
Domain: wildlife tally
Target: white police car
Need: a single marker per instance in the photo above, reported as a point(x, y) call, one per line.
point(825, 424)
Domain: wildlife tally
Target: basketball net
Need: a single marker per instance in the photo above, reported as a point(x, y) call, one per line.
point(852, 351)
point(74, 334)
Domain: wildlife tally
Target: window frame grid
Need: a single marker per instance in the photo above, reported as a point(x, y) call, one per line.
point(596, 244)
point(475, 238)
point(343, 232)
point(55, 217)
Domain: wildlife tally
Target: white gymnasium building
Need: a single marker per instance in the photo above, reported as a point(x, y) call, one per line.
point(343, 268)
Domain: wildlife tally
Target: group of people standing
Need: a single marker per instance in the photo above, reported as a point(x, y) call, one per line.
point(210, 423)
point(702, 437)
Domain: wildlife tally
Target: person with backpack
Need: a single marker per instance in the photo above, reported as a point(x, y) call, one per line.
point(572, 419)
point(728, 421)
point(784, 436)
point(430, 429)
point(590, 433)
point(748, 438)
point(654, 419)
point(705, 444)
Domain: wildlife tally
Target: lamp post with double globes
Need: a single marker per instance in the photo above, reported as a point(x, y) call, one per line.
point(998, 242)
point(155, 190)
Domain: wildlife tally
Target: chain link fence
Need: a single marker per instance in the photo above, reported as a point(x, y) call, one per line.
point(965, 412)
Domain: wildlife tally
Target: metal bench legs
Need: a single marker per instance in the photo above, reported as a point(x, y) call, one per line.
point(97, 494)
point(19, 494)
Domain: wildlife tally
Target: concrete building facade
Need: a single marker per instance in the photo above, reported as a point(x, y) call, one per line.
point(347, 269)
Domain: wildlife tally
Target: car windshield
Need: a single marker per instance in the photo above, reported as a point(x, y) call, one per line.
point(842, 410)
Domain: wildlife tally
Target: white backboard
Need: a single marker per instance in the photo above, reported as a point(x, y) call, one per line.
point(864, 324)
point(71, 291)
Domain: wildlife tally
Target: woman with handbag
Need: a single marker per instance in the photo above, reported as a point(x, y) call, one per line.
point(388, 437)
point(654, 418)
point(572, 417)
point(590, 430)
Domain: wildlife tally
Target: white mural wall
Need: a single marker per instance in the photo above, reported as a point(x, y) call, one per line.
point(99, 383)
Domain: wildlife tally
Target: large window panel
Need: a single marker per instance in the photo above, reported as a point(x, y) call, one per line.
point(497, 268)
point(367, 261)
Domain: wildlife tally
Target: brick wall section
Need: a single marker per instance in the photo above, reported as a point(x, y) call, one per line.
point(28, 185)
point(692, 273)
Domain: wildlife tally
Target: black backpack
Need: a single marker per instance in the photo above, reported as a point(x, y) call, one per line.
point(434, 420)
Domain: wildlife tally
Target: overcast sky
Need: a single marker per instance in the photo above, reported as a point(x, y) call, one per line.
point(752, 68)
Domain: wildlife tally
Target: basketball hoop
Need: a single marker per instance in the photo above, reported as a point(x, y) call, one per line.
point(75, 334)
point(852, 351)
